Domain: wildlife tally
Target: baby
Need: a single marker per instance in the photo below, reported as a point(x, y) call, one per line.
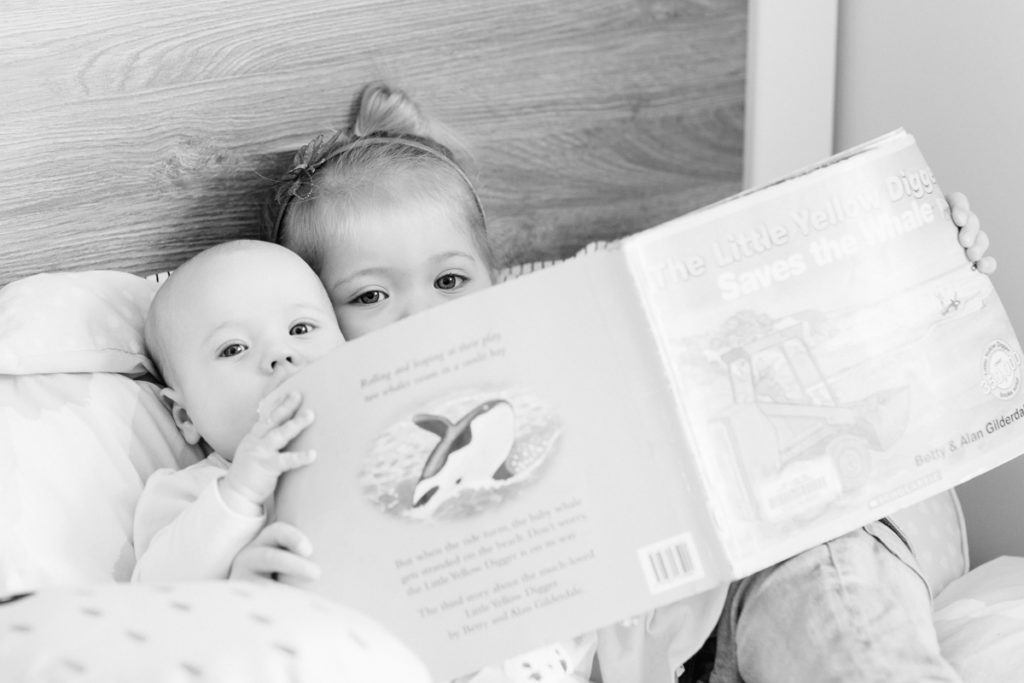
point(227, 328)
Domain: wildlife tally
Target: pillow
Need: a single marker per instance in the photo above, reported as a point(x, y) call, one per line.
point(78, 435)
point(74, 322)
point(979, 619)
point(75, 450)
point(196, 631)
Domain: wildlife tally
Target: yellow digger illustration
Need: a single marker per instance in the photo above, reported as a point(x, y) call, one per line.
point(796, 444)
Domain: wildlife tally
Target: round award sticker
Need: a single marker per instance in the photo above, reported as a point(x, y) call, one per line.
point(1000, 369)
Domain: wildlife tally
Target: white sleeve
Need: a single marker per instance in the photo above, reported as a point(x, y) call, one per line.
point(183, 528)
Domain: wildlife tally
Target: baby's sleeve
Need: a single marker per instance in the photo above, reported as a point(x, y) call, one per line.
point(184, 530)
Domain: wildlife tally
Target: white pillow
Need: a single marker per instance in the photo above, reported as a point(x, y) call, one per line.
point(77, 437)
point(979, 619)
point(74, 322)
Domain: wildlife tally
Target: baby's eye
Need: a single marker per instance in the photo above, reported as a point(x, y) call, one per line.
point(450, 281)
point(231, 350)
point(299, 329)
point(374, 296)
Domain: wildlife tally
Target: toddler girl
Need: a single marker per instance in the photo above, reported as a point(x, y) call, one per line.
point(392, 225)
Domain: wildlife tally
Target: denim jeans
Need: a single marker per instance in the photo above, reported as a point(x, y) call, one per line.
point(855, 609)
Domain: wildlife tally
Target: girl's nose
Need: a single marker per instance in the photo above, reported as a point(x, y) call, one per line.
point(416, 302)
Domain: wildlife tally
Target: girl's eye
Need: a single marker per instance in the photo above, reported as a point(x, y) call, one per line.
point(450, 281)
point(374, 296)
point(299, 329)
point(231, 350)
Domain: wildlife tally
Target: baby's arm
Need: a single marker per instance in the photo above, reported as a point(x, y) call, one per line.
point(972, 238)
point(191, 524)
point(183, 528)
point(280, 550)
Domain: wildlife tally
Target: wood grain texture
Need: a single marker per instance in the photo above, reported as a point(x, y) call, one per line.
point(134, 134)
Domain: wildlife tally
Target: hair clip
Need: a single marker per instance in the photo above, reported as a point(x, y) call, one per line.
point(307, 160)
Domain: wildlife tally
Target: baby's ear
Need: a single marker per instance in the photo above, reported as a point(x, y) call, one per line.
point(188, 430)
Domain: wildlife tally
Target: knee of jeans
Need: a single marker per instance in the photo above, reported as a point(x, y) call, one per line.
point(855, 566)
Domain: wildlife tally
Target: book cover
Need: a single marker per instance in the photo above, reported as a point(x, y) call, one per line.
point(834, 356)
point(636, 426)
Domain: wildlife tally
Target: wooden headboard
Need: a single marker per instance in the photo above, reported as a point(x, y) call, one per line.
point(133, 134)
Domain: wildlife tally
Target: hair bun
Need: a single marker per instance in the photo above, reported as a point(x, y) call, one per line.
point(383, 109)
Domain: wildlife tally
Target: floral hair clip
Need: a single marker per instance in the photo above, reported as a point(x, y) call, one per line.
point(297, 182)
point(307, 160)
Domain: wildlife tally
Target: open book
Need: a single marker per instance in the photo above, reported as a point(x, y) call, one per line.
point(635, 426)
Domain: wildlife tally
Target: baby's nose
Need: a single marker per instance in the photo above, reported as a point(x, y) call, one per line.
point(281, 361)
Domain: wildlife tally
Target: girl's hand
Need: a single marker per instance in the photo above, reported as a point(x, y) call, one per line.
point(280, 550)
point(972, 238)
point(259, 460)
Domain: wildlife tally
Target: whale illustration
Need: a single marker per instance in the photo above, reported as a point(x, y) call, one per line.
point(471, 451)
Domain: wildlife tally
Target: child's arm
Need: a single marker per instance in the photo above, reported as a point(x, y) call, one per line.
point(183, 528)
point(972, 238)
point(191, 524)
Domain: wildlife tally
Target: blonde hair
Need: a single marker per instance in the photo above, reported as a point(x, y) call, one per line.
point(388, 153)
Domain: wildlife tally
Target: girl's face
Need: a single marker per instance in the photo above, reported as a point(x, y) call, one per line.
point(403, 258)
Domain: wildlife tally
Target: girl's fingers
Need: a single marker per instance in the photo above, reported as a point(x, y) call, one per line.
point(959, 207)
point(986, 265)
point(977, 250)
point(970, 232)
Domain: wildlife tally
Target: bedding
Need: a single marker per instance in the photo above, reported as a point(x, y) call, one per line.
point(81, 427)
point(74, 322)
point(200, 631)
point(980, 622)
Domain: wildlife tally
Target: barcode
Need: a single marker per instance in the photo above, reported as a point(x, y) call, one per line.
point(670, 563)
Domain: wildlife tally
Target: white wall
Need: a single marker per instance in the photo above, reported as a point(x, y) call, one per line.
point(952, 73)
point(791, 68)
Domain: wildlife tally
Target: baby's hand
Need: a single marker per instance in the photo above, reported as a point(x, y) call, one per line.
point(280, 550)
point(259, 459)
point(972, 238)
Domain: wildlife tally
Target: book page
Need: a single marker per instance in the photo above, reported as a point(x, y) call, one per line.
point(503, 471)
point(834, 355)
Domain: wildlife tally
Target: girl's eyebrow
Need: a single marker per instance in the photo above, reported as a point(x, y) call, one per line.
point(450, 254)
point(384, 270)
point(362, 272)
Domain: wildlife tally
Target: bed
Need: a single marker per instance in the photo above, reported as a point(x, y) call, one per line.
point(135, 135)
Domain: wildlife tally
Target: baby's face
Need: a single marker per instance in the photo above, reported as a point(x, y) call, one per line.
point(247, 322)
point(403, 258)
